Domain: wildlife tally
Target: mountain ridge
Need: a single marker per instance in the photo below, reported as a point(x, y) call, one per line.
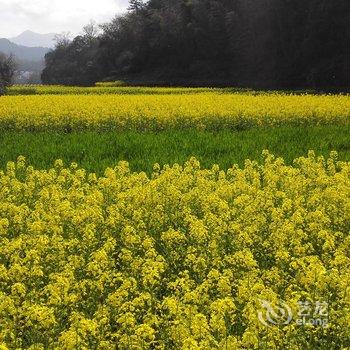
point(32, 39)
point(22, 52)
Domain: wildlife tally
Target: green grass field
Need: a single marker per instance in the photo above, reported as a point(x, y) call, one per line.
point(95, 151)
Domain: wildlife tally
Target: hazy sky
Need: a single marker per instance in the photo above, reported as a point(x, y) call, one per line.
point(54, 16)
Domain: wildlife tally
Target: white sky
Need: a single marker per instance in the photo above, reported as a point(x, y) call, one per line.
point(54, 16)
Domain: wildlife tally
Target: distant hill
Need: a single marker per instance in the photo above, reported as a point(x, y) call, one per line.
point(23, 52)
point(32, 39)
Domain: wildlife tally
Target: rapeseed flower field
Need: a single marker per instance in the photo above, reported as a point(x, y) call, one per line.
point(180, 259)
point(183, 256)
point(201, 111)
point(109, 89)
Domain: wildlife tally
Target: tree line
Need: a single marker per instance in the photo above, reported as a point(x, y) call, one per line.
point(7, 71)
point(248, 43)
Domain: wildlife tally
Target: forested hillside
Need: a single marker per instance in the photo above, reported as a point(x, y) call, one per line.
point(250, 43)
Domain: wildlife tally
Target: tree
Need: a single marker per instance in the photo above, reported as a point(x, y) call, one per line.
point(73, 62)
point(62, 40)
point(136, 5)
point(251, 43)
point(7, 71)
point(91, 31)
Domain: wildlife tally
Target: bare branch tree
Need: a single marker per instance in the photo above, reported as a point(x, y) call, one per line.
point(91, 31)
point(62, 40)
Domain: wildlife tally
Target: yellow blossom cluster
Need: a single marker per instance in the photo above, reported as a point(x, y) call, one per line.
point(203, 111)
point(176, 260)
point(109, 88)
